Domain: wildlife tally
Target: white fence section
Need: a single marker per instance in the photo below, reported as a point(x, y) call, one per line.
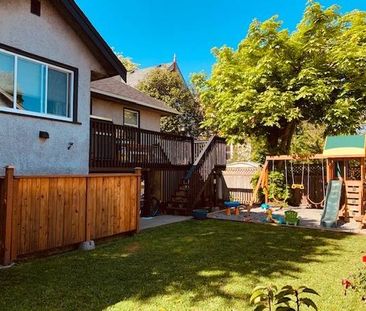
point(238, 181)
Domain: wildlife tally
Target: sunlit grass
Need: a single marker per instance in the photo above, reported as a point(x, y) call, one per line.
point(209, 265)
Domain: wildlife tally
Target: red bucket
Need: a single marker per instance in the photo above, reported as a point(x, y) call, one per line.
point(364, 259)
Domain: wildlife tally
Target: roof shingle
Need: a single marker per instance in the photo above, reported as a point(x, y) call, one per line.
point(115, 87)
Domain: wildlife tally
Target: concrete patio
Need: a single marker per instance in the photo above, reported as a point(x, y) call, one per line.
point(151, 222)
point(309, 218)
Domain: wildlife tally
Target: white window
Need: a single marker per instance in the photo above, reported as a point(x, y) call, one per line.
point(35, 88)
point(131, 117)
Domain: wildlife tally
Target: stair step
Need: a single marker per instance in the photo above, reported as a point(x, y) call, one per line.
point(183, 188)
point(180, 199)
point(181, 193)
point(173, 204)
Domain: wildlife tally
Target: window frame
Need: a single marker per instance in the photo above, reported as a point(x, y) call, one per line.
point(138, 117)
point(49, 64)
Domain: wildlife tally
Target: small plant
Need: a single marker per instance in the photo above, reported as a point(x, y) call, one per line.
point(287, 299)
point(356, 282)
point(292, 299)
point(278, 190)
point(263, 297)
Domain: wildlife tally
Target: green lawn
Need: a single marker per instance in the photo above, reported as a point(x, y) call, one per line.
point(209, 265)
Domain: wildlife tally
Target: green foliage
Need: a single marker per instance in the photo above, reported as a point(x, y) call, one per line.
point(287, 299)
point(169, 87)
point(277, 188)
point(263, 297)
point(129, 64)
point(308, 140)
point(292, 299)
point(276, 80)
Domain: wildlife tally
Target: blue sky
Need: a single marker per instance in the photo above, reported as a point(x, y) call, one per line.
point(151, 31)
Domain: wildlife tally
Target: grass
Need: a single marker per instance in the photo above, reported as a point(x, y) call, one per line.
point(209, 265)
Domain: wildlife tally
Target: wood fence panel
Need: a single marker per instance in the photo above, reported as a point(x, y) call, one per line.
point(2, 218)
point(112, 209)
point(48, 212)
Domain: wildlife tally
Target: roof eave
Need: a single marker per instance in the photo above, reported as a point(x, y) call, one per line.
point(98, 45)
point(167, 112)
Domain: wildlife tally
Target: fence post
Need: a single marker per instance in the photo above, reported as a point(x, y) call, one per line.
point(138, 174)
point(8, 214)
point(87, 212)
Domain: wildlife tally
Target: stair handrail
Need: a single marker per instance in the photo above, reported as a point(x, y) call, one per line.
point(202, 168)
point(200, 157)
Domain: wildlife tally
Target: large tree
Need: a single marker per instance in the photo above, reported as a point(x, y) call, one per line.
point(276, 80)
point(128, 62)
point(169, 87)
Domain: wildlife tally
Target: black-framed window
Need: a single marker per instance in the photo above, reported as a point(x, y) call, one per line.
point(131, 117)
point(34, 86)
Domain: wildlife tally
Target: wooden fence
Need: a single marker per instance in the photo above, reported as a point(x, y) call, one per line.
point(238, 182)
point(39, 213)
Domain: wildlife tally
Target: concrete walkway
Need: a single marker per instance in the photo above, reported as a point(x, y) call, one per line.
point(151, 222)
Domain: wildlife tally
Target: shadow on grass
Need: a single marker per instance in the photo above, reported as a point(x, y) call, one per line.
point(199, 258)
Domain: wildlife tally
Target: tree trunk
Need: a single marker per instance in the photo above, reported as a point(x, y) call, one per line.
point(279, 139)
point(286, 138)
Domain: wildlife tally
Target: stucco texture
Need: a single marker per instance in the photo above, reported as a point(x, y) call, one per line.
point(51, 37)
point(149, 119)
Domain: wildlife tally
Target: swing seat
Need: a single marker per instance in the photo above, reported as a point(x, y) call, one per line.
point(292, 218)
point(297, 186)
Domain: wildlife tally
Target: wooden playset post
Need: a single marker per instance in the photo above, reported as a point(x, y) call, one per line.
point(265, 185)
point(362, 167)
point(259, 184)
point(330, 170)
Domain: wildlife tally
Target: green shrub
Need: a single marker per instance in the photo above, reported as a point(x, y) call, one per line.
point(287, 299)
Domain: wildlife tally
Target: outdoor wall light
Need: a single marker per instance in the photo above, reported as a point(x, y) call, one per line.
point(44, 135)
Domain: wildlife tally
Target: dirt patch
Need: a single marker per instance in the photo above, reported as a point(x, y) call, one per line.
point(133, 248)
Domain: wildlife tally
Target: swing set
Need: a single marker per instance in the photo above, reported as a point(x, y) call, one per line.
point(292, 183)
point(343, 159)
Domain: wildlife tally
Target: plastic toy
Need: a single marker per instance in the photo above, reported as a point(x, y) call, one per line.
point(291, 218)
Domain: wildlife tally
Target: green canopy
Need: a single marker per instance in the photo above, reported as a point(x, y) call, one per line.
point(350, 145)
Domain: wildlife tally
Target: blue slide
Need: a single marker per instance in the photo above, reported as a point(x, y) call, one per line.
point(332, 204)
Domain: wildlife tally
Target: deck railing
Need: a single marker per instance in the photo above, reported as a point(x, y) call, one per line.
point(114, 147)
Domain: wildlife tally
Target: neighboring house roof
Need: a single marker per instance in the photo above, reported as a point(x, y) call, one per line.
point(136, 76)
point(6, 96)
point(115, 88)
point(77, 19)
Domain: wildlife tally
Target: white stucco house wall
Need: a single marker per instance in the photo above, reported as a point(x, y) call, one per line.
point(55, 72)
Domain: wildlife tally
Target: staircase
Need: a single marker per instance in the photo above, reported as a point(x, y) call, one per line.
point(210, 161)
